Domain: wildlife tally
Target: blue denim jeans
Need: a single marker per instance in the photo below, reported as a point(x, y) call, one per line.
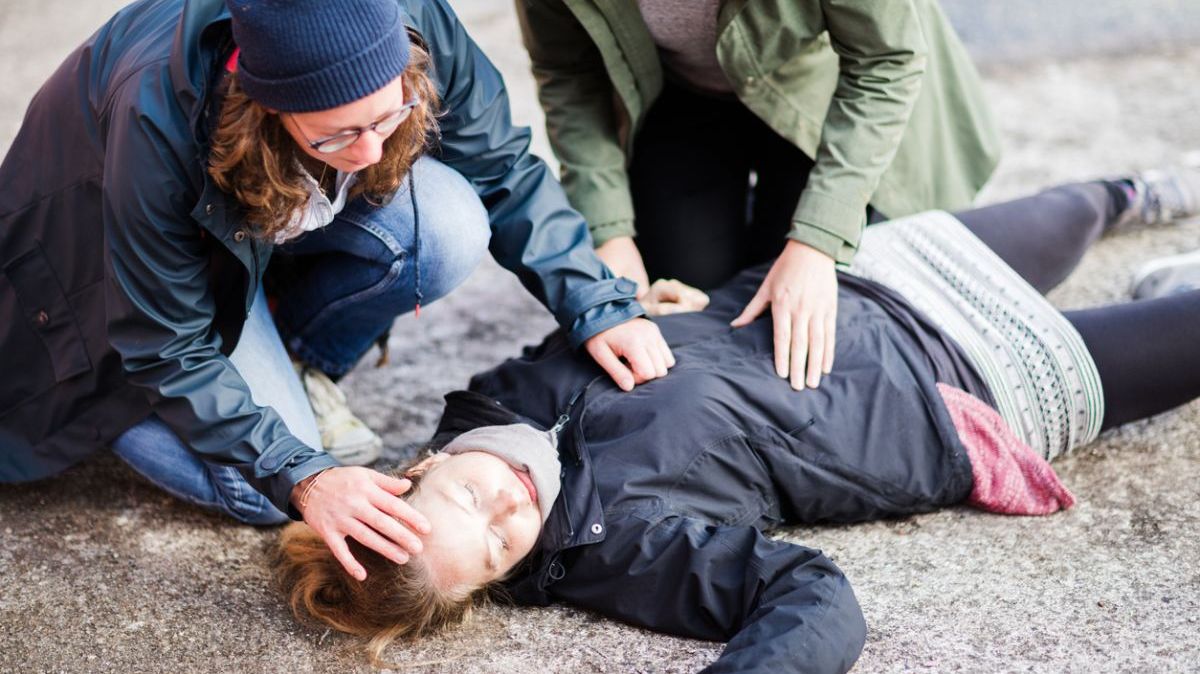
point(345, 284)
point(153, 449)
point(349, 282)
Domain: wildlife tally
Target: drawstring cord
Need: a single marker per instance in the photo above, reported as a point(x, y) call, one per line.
point(382, 341)
point(412, 195)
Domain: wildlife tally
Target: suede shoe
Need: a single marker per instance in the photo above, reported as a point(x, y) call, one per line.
point(343, 435)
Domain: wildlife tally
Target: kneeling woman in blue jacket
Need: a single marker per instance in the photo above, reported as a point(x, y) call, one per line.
point(956, 382)
point(363, 148)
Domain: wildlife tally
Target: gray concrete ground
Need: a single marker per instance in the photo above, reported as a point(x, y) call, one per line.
point(1020, 31)
point(102, 572)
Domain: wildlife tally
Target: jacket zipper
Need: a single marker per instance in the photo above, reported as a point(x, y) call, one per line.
point(559, 425)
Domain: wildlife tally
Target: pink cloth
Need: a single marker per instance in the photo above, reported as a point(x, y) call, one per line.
point(1010, 478)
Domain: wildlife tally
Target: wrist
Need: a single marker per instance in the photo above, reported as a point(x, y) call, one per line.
point(302, 492)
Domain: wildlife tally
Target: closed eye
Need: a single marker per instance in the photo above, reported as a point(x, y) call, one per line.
point(502, 538)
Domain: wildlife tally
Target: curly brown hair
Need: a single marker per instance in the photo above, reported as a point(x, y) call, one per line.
point(253, 157)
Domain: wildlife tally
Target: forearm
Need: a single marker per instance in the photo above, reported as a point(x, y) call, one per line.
point(882, 57)
point(581, 117)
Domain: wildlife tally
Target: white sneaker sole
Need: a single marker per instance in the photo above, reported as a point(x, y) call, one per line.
point(1158, 265)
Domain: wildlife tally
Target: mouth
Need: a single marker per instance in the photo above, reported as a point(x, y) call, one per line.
point(527, 482)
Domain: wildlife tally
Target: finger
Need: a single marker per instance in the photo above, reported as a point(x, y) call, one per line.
point(373, 540)
point(666, 290)
point(393, 485)
point(799, 350)
point(668, 356)
point(782, 328)
point(392, 518)
point(696, 299)
point(656, 357)
point(830, 338)
point(757, 304)
point(390, 528)
point(816, 351)
point(341, 552)
point(610, 363)
point(398, 507)
point(642, 364)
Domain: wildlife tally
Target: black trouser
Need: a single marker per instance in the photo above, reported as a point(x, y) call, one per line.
point(700, 220)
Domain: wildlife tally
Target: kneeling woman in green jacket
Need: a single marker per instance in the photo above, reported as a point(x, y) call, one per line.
point(735, 131)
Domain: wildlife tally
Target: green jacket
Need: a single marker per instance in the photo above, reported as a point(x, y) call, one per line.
point(879, 92)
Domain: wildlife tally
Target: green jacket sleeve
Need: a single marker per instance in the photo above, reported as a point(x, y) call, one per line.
point(882, 55)
point(581, 118)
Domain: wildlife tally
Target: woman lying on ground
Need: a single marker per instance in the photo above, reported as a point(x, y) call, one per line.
point(956, 382)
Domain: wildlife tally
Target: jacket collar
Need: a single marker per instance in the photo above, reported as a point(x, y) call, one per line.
point(201, 38)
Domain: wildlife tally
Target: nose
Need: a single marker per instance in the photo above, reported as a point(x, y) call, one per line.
point(506, 501)
point(367, 149)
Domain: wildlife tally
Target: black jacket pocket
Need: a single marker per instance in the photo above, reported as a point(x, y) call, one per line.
point(40, 341)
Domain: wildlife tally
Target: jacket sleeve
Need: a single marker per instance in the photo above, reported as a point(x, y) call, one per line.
point(579, 101)
point(782, 607)
point(882, 55)
point(160, 310)
point(535, 232)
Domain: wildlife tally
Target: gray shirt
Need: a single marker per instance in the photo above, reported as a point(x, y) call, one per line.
point(685, 32)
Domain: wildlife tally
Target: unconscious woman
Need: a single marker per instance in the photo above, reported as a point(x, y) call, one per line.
point(355, 158)
point(956, 383)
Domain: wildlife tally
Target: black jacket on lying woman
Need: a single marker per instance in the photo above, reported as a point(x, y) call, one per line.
point(667, 490)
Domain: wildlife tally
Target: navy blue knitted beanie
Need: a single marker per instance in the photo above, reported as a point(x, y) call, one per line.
point(309, 55)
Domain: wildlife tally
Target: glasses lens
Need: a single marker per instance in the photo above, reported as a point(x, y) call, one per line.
point(336, 143)
point(391, 122)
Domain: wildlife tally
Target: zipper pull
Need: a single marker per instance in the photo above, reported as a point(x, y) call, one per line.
point(560, 424)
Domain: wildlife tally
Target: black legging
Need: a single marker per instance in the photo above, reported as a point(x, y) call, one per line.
point(1148, 353)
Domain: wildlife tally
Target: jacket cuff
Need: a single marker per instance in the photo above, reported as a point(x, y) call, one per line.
point(829, 225)
point(608, 231)
point(598, 307)
point(830, 244)
point(283, 465)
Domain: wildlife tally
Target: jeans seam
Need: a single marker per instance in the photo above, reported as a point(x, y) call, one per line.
point(358, 296)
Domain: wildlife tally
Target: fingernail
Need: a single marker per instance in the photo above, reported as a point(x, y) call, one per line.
point(360, 575)
point(400, 559)
point(814, 382)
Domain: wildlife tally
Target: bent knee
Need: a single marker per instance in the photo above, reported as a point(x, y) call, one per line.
point(454, 226)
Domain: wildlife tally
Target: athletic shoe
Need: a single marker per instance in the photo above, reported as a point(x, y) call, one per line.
point(1167, 276)
point(343, 435)
point(1163, 195)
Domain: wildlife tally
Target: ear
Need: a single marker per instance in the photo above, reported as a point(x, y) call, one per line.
point(423, 466)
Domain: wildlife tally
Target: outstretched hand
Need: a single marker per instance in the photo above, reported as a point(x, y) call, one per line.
point(669, 296)
point(631, 353)
point(366, 505)
point(801, 289)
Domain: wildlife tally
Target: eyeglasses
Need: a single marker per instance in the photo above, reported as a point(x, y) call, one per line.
point(344, 139)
